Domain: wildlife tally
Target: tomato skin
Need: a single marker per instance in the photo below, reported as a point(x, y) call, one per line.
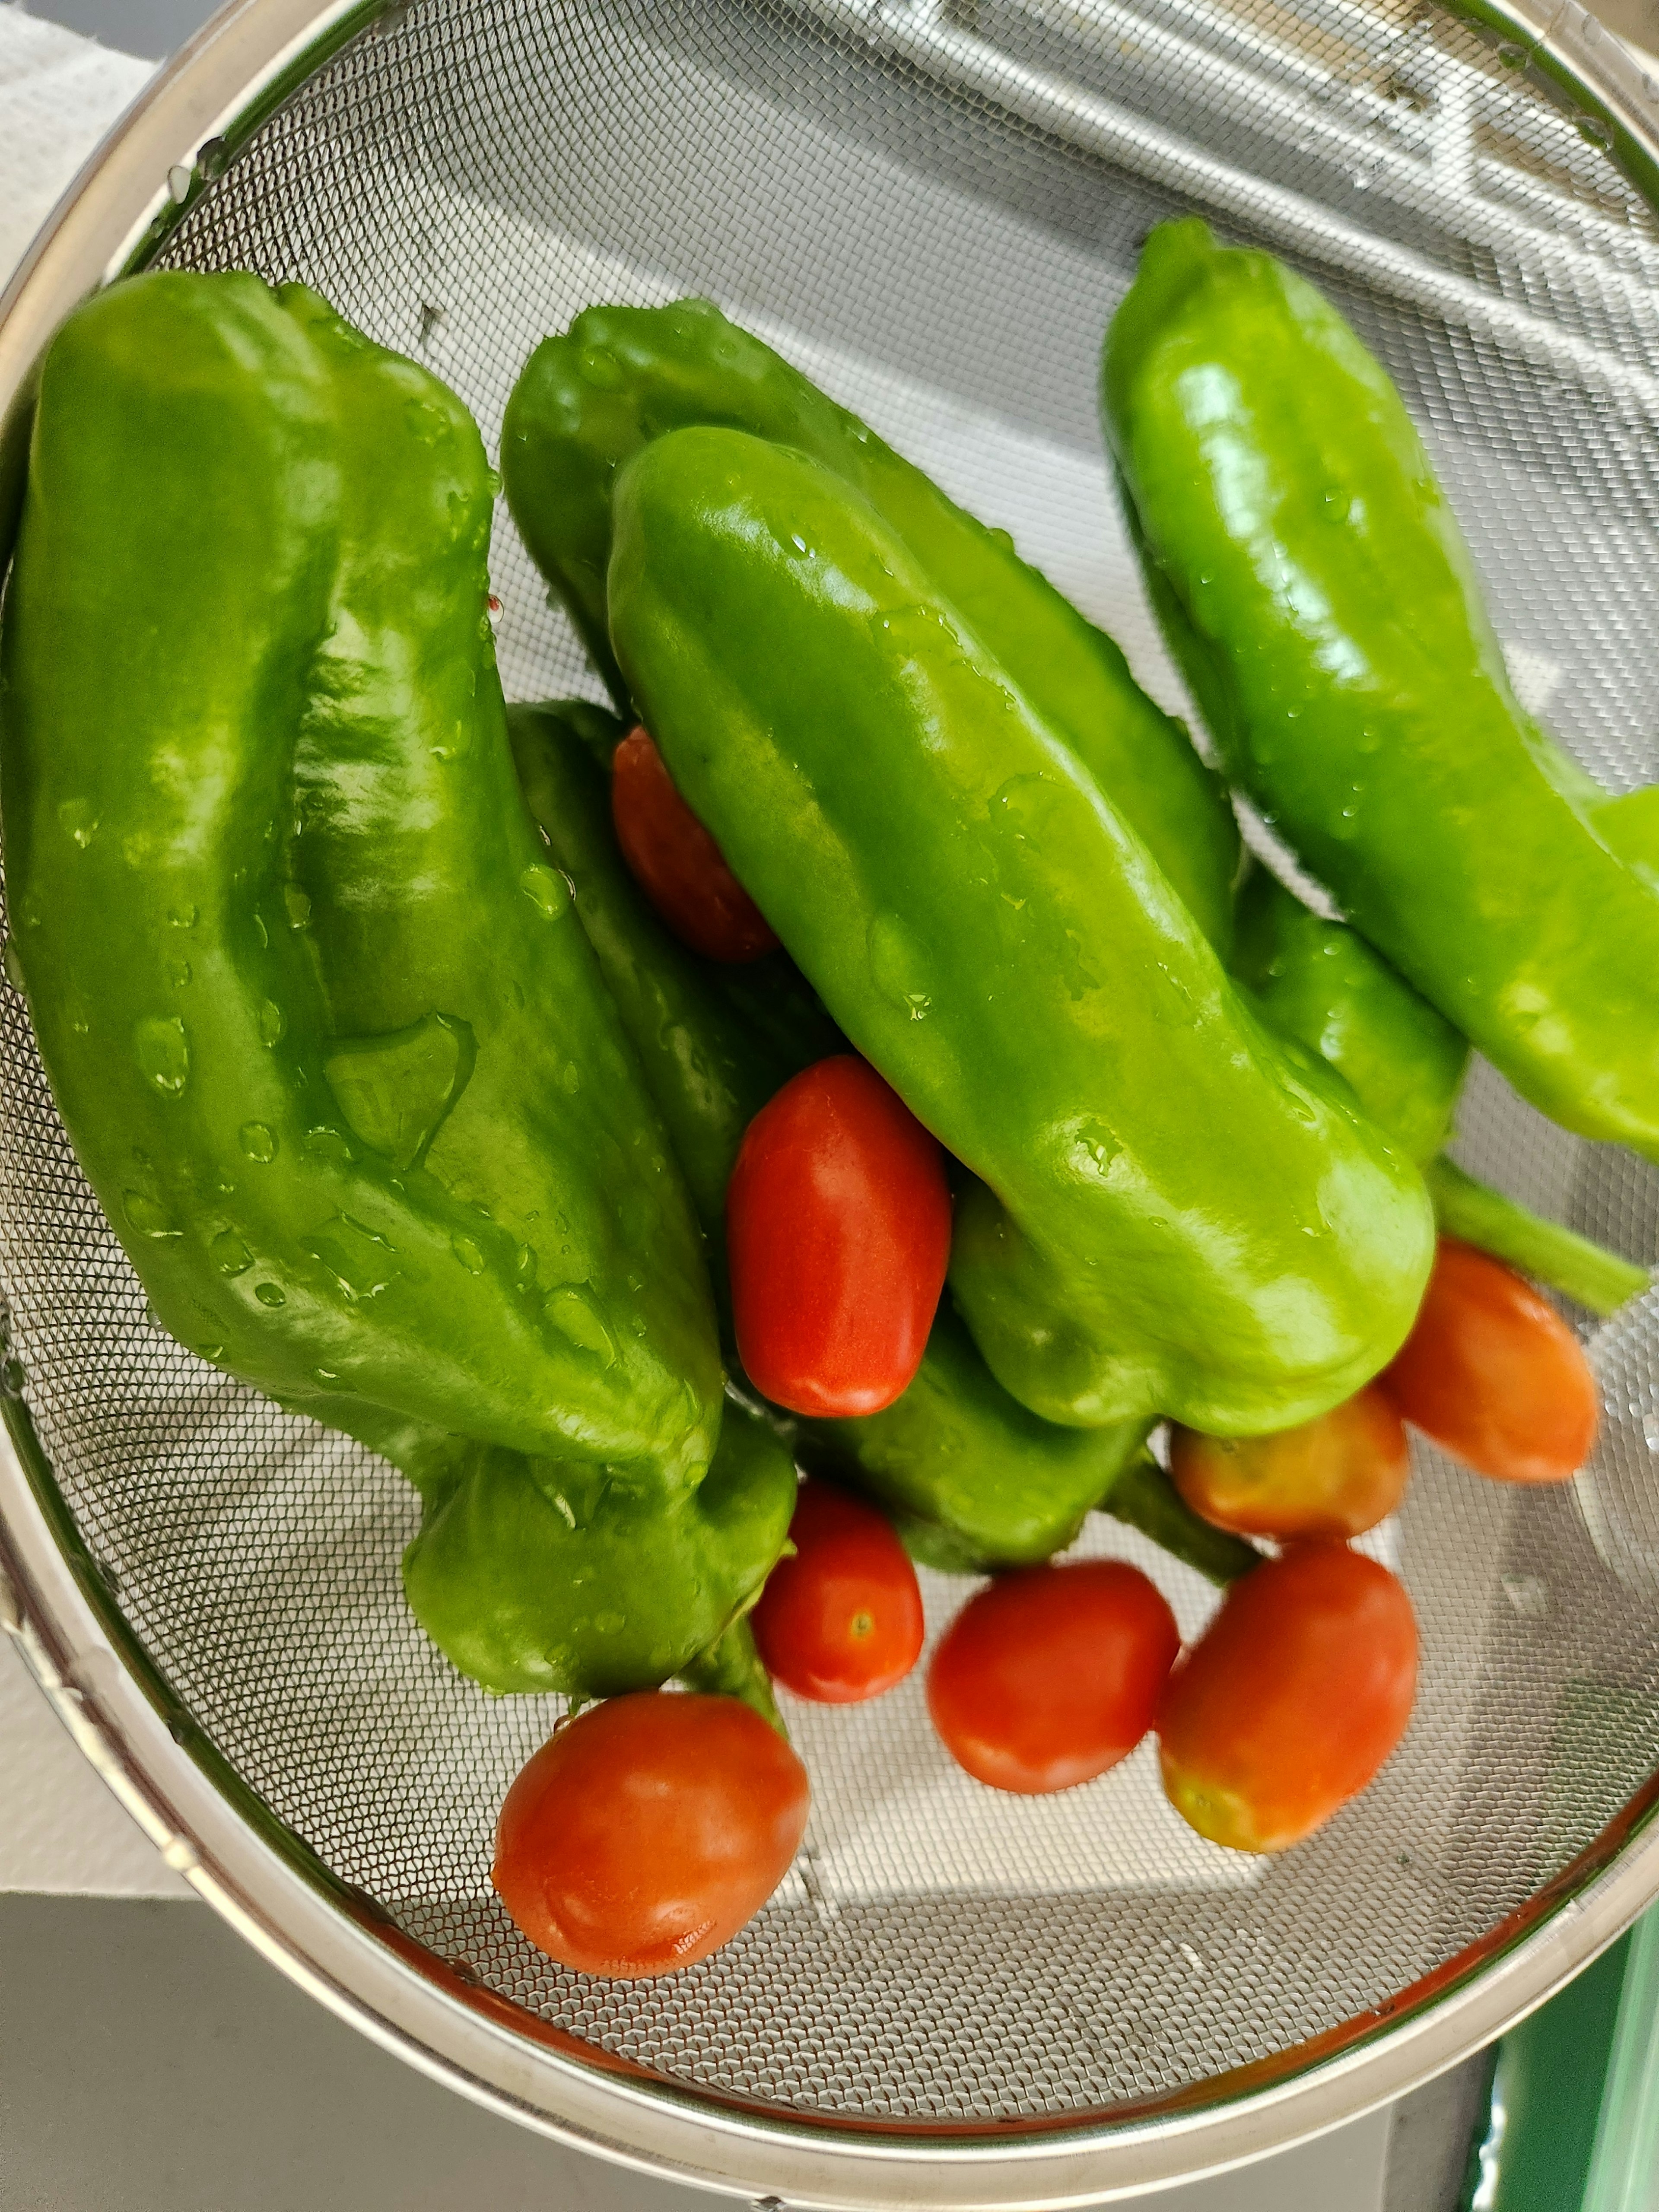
point(646, 1830)
point(837, 1236)
point(675, 861)
point(1292, 1698)
point(1332, 1478)
point(1493, 1374)
point(1051, 1674)
point(841, 1620)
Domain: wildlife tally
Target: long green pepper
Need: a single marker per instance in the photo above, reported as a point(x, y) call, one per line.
point(1315, 589)
point(1174, 1213)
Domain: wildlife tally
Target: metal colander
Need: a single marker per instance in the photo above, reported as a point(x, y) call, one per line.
point(932, 205)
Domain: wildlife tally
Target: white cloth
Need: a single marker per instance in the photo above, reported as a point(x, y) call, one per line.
point(60, 1829)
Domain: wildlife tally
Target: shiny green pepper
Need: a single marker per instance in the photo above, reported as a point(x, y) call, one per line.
point(973, 1478)
point(532, 1575)
point(331, 1048)
point(621, 376)
point(1320, 982)
point(1174, 1213)
point(1316, 589)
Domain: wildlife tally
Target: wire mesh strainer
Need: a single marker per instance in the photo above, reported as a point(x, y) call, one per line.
point(957, 1998)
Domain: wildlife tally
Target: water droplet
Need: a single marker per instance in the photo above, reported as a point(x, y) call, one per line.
point(898, 966)
point(548, 891)
point(598, 365)
point(610, 1623)
point(1090, 1149)
point(76, 816)
point(326, 1144)
point(296, 904)
point(208, 1352)
point(180, 972)
point(11, 1377)
point(213, 158)
point(261, 932)
point(270, 1294)
point(259, 1141)
point(14, 965)
point(229, 1255)
point(163, 1053)
point(273, 1023)
point(470, 1255)
point(1337, 504)
point(575, 1317)
point(324, 1375)
point(147, 1214)
point(1004, 538)
point(182, 917)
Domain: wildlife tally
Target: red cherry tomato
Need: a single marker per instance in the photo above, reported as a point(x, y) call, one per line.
point(646, 1831)
point(1335, 1477)
point(1493, 1375)
point(1051, 1674)
point(1291, 1699)
point(837, 1233)
point(675, 861)
point(841, 1620)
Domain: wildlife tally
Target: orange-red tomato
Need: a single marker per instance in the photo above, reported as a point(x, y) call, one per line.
point(675, 861)
point(1051, 1674)
point(1493, 1374)
point(1333, 1477)
point(837, 1233)
point(646, 1831)
point(841, 1620)
point(1292, 1698)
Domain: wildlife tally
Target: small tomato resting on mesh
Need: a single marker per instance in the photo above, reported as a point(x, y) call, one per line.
point(646, 1830)
point(1052, 1674)
point(1493, 1374)
point(837, 1234)
point(1292, 1698)
point(842, 1619)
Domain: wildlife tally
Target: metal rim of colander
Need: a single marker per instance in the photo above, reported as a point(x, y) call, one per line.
point(336, 1942)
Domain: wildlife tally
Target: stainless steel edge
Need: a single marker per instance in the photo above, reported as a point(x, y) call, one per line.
point(222, 77)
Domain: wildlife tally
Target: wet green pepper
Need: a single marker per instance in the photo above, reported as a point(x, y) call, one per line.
point(333, 1051)
point(1316, 591)
point(1321, 983)
point(621, 376)
point(532, 1575)
point(1175, 1213)
point(973, 1478)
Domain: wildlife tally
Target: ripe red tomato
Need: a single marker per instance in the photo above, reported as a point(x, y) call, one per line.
point(646, 1831)
point(1292, 1698)
point(1335, 1477)
point(841, 1620)
point(837, 1233)
point(675, 861)
point(1493, 1375)
point(1051, 1674)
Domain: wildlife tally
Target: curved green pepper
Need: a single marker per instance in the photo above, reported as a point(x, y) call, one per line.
point(1318, 592)
point(532, 1575)
point(331, 1046)
point(1176, 1214)
point(621, 376)
point(1320, 982)
point(973, 1478)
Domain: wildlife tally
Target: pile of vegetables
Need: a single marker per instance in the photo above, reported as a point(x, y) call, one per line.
point(857, 1103)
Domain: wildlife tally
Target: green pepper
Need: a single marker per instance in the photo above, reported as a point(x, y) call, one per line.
point(621, 376)
point(972, 1478)
point(1321, 983)
point(1173, 1213)
point(1316, 589)
point(533, 1575)
point(331, 1046)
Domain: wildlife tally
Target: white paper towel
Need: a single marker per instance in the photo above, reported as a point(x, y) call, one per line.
point(60, 1829)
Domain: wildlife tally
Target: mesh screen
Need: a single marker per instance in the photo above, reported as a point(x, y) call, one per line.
point(933, 209)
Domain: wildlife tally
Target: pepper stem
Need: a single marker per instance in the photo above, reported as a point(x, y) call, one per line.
point(1478, 1215)
point(731, 1666)
point(1145, 1497)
